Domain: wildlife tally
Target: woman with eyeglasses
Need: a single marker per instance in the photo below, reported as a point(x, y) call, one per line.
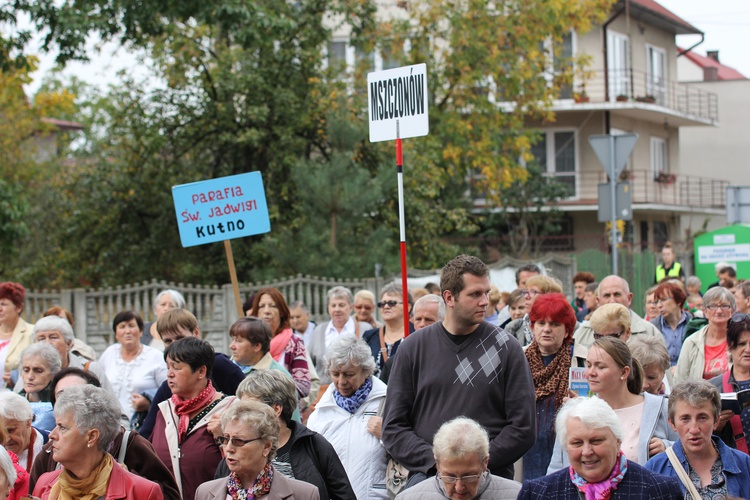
point(535, 286)
point(736, 379)
point(250, 438)
point(704, 353)
point(347, 416)
point(364, 307)
point(384, 341)
point(672, 319)
point(553, 321)
point(181, 437)
point(617, 378)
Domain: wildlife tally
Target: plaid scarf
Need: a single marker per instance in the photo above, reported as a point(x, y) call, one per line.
point(553, 378)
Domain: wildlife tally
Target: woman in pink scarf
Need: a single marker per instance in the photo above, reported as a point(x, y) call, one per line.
point(590, 431)
point(286, 348)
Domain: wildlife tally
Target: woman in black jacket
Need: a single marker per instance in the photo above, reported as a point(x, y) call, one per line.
point(302, 454)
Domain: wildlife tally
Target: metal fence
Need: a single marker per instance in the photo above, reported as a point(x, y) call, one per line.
point(214, 306)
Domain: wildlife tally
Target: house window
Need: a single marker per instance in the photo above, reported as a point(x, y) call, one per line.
point(659, 159)
point(556, 153)
point(562, 60)
point(656, 74)
point(337, 56)
point(364, 58)
point(619, 75)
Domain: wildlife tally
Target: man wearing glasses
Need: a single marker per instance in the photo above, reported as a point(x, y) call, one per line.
point(460, 366)
point(612, 289)
point(462, 450)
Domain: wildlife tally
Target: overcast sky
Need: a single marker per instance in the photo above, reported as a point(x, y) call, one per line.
point(726, 24)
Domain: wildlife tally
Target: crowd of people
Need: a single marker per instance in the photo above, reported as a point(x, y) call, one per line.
point(474, 401)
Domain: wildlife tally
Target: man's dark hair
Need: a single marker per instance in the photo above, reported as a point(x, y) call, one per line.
point(452, 275)
point(432, 288)
point(730, 271)
point(532, 268)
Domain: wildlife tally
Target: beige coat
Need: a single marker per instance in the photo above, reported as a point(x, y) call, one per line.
point(282, 488)
point(692, 358)
point(20, 340)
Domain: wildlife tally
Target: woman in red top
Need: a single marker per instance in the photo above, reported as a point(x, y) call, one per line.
point(87, 422)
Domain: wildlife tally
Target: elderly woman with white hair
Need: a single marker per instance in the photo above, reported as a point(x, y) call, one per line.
point(166, 300)
point(58, 333)
point(347, 416)
point(22, 439)
point(250, 439)
point(39, 363)
point(340, 303)
point(88, 420)
point(462, 451)
point(591, 432)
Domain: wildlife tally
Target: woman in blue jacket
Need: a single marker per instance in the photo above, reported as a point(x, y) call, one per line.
point(712, 468)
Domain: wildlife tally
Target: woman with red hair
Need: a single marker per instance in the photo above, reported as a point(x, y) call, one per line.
point(552, 321)
point(286, 348)
point(672, 319)
point(15, 333)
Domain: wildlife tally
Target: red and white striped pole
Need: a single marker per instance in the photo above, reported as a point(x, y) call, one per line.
point(402, 227)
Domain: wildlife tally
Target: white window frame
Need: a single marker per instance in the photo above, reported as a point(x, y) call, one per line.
point(659, 156)
point(549, 67)
point(551, 167)
point(618, 78)
point(656, 85)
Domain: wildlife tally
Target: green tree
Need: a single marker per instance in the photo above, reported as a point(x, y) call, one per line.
point(493, 67)
point(529, 212)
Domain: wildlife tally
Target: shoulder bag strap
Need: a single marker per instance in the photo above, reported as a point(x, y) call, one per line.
point(383, 348)
point(381, 406)
point(737, 431)
point(123, 447)
point(683, 475)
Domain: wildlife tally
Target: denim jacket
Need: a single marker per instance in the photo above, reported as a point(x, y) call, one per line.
point(736, 466)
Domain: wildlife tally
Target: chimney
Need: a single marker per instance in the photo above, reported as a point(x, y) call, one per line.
point(711, 74)
point(713, 55)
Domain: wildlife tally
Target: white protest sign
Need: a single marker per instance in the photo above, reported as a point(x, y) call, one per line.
point(398, 95)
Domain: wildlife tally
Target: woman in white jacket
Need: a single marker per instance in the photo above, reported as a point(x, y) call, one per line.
point(347, 416)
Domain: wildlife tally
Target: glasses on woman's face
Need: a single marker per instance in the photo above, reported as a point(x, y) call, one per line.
point(236, 442)
point(616, 335)
point(464, 479)
point(530, 292)
point(389, 303)
point(723, 307)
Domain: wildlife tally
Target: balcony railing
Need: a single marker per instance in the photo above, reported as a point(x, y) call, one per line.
point(627, 85)
point(670, 189)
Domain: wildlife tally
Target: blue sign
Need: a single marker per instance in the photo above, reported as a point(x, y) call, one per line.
point(221, 209)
